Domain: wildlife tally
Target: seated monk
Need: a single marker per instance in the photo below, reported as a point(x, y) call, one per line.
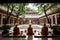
point(44, 30)
point(30, 30)
point(16, 30)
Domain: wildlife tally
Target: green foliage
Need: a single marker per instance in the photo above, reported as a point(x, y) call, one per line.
point(55, 27)
point(40, 10)
point(4, 27)
point(47, 6)
point(20, 9)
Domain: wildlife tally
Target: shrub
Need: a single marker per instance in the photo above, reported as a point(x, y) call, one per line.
point(4, 27)
point(55, 27)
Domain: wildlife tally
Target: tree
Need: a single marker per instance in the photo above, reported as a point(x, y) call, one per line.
point(45, 8)
point(9, 7)
point(12, 8)
point(20, 9)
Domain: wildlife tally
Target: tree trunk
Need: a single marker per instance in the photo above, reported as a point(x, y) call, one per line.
point(5, 22)
point(7, 19)
point(17, 19)
point(46, 16)
point(8, 10)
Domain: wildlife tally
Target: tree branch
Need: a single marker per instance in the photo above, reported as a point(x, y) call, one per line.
point(10, 13)
point(8, 9)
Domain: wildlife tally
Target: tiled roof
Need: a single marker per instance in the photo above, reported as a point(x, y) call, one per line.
point(31, 12)
point(4, 10)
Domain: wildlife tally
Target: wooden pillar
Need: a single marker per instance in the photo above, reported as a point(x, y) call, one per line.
point(51, 19)
point(1, 19)
point(55, 19)
point(9, 20)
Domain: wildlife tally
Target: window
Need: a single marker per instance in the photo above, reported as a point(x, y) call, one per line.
point(0, 18)
point(11, 20)
point(48, 20)
point(14, 20)
point(4, 19)
point(58, 19)
point(44, 20)
point(53, 20)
